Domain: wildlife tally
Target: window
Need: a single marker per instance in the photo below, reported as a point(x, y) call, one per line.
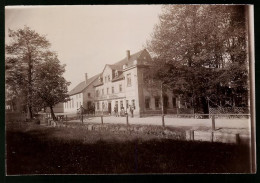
point(108, 77)
point(112, 89)
point(97, 105)
point(72, 103)
point(116, 73)
point(96, 93)
point(147, 102)
point(165, 101)
point(117, 104)
point(127, 104)
point(103, 105)
point(105, 79)
point(157, 102)
point(129, 83)
point(120, 88)
point(121, 103)
point(102, 91)
point(107, 90)
point(89, 94)
point(173, 101)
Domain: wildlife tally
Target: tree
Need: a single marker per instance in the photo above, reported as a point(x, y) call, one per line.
point(23, 53)
point(199, 50)
point(50, 86)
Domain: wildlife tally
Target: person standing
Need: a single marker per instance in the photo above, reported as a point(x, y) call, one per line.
point(116, 111)
point(81, 112)
point(132, 110)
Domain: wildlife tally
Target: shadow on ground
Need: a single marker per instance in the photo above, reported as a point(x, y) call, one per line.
point(39, 150)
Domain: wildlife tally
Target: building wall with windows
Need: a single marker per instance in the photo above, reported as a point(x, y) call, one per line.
point(128, 75)
point(74, 103)
point(83, 94)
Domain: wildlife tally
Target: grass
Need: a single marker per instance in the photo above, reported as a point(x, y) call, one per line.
point(33, 149)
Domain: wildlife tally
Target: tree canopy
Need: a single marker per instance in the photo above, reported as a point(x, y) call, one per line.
point(200, 51)
point(27, 54)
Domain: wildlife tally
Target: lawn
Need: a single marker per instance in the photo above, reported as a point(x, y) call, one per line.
point(34, 149)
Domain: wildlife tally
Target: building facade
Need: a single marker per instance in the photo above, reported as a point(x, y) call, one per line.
point(83, 94)
point(122, 85)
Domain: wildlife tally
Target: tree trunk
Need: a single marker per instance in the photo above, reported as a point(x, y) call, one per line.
point(52, 113)
point(29, 112)
point(29, 94)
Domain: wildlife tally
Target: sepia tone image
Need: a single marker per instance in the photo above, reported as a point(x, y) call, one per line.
point(129, 89)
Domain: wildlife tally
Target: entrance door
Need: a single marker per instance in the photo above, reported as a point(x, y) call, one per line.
point(109, 107)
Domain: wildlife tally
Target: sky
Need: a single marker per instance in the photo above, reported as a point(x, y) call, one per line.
point(87, 37)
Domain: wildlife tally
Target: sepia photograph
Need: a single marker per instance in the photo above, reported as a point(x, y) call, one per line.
point(129, 89)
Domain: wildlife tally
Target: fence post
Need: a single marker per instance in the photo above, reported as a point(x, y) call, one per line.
point(102, 119)
point(213, 122)
point(192, 135)
point(163, 124)
point(127, 123)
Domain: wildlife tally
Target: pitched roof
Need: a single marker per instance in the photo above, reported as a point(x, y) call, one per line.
point(81, 86)
point(119, 77)
point(119, 65)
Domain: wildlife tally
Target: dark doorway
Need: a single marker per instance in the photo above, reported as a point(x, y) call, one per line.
point(109, 107)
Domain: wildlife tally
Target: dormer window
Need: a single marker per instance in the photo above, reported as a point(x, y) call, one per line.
point(108, 77)
point(116, 73)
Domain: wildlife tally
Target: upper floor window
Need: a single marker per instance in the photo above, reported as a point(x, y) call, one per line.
point(108, 78)
point(105, 79)
point(107, 90)
point(89, 94)
point(116, 73)
point(129, 82)
point(112, 89)
point(102, 91)
point(120, 88)
point(97, 92)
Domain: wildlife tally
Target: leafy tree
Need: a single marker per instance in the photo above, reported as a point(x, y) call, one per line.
point(50, 86)
point(24, 51)
point(199, 50)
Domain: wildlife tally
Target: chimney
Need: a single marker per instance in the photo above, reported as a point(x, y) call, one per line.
point(127, 54)
point(86, 77)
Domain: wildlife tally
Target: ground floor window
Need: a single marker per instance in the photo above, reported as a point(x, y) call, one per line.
point(157, 102)
point(121, 104)
point(174, 102)
point(147, 102)
point(97, 105)
point(165, 101)
point(126, 103)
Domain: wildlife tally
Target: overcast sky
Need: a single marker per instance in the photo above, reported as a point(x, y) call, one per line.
point(87, 37)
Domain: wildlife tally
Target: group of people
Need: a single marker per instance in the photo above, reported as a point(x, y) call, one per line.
point(123, 112)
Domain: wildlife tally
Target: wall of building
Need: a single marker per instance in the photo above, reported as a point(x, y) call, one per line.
point(106, 100)
point(75, 102)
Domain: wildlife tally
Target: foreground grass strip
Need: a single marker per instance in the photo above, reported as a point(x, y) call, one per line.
point(40, 150)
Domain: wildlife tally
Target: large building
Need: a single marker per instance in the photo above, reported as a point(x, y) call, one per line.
point(122, 84)
point(83, 94)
